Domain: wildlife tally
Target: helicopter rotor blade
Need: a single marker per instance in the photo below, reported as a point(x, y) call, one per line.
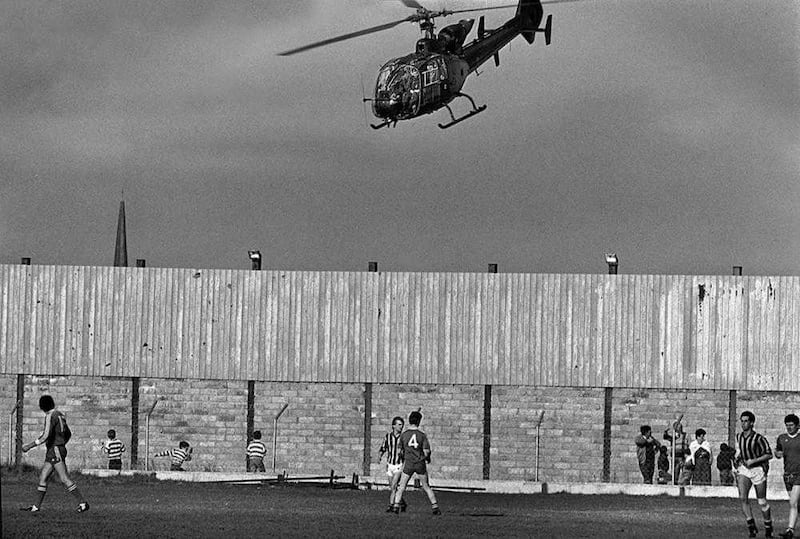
point(423, 14)
point(413, 4)
point(506, 6)
point(344, 37)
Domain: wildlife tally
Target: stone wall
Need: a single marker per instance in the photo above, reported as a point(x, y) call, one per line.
point(322, 429)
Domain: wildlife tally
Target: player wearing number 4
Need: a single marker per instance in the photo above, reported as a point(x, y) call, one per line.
point(416, 453)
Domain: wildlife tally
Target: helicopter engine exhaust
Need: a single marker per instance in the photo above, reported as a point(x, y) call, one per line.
point(452, 37)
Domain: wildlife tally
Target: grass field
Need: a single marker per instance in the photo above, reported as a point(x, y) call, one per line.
point(144, 507)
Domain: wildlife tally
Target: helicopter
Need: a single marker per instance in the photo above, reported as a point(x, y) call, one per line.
point(432, 76)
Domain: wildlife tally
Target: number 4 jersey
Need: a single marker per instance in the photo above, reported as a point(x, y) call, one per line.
point(414, 442)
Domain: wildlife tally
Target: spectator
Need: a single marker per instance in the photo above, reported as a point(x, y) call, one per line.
point(698, 462)
point(646, 447)
point(179, 455)
point(664, 478)
point(677, 438)
point(114, 448)
point(725, 464)
point(256, 450)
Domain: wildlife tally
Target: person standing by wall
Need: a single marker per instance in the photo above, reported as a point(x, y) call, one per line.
point(664, 477)
point(55, 435)
point(698, 462)
point(256, 450)
point(646, 448)
point(114, 448)
point(679, 447)
point(788, 448)
point(752, 464)
point(725, 464)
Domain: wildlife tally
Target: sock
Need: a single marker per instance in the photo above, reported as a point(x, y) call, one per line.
point(73, 489)
point(42, 490)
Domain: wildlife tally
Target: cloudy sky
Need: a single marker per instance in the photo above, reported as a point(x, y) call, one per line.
point(665, 131)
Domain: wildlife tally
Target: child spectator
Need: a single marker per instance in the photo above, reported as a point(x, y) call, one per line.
point(697, 468)
point(256, 450)
point(664, 478)
point(179, 455)
point(725, 464)
point(114, 449)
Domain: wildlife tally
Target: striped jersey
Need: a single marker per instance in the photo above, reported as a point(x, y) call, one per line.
point(392, 447)
point(752, 446)
point(114, 448)
point(257, 449)
point(179, 455)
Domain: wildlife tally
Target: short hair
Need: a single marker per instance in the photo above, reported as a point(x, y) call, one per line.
point(644, 429)
point(398, 418)
point(791, 418)
point(723, 446)
point(414, 418)
point(183, 443)
point(749, 415)
point(112, 433)
point(662, 449)
point(46, 403)
point(700, 432)
point(256, 435)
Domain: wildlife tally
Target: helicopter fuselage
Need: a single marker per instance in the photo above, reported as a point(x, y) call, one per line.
point(417, 84)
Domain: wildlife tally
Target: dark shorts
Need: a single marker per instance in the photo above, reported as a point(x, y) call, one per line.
point(176, 468)
point(255, 464)
point(419, 468)
point(115, 464)
point(55, 454)
point(791, 480)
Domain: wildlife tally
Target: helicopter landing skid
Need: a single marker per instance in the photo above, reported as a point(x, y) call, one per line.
point(387, 123)
point(475, 110)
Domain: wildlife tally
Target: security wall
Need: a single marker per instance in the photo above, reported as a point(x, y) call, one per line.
point(537, 330)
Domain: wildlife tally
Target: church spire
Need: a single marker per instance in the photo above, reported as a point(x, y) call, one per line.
point(121, 248)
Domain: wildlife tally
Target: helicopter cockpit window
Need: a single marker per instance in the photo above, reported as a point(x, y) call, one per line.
point(397, 91)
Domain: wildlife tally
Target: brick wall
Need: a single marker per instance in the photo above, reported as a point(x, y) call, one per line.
point(321, 430)
point(323, 427)
point(8, 395)
point(209, 414)
point(571, 433)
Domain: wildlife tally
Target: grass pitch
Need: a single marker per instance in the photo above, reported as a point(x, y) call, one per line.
point(143, 507)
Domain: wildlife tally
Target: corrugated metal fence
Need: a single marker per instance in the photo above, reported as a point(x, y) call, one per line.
point(658, 331)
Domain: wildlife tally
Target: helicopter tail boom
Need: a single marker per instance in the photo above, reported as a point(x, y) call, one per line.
point(525, 22)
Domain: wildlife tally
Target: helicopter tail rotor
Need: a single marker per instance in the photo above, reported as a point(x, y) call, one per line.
point(528, 13)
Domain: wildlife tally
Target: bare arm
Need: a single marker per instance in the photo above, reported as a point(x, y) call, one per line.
point(43, 437)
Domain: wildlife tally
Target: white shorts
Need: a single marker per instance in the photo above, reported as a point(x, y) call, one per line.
point(755, 474)
point(394, 469)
